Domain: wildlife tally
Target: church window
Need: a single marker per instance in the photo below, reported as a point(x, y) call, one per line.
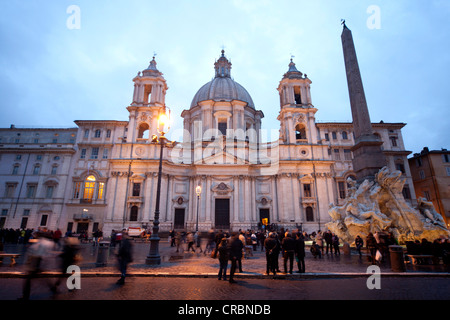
point(76, 190)
point(148, 93)
point(134, 213)
point(309, 214)
point(101, 188)
point(143, 131)
point(300, 132)
point(297, 95)
point(307, 190)
point(341, 186)
point(136, 189)
point(222, 126)
point(98, 133)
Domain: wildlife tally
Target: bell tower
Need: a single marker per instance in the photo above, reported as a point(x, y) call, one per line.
point(148, 101)
point(296, 116)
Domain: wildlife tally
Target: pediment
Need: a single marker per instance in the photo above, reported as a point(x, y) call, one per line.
point(224, 158)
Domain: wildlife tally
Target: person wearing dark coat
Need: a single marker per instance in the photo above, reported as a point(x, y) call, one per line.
point(124, 256)
point(300, 252)
point(371, 244)
point(288, 245)
point(271, 246)
point(235, 252)
point(223, 259)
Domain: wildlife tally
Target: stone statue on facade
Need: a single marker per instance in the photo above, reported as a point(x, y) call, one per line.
point(379, 205)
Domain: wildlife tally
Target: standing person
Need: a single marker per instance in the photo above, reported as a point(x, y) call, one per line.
point(335, 240)
point(328, 241)
point(319, 240)
point(223, 259)
point(359, 243)
point(125, 256)
point(271, 246)
point(57, 237)
point(172, 238)
point(210, 244)
point(288, 245)
point(300, 253)
point(218, 239)
point(236, 247)
point(113, 238)
point(371, 244)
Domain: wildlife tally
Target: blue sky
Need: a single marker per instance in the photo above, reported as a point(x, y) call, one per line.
point(51, 75)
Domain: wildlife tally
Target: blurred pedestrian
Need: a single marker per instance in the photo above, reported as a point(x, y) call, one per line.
point(190, 241)
point(178, 242)
point(38, 255)
point(235, 253)
point(71, 246)
point(198, 241)
point(315, 250)
point(319, 240)
point(223, 258)
point(210, 244)
point(327, 236)
point(125, 256)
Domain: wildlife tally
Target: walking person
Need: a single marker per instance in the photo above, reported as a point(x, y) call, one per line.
point(319, 240)
point(300, 252)
point(190, 241)
point(71, 246)
point(178, 242)
point(223, 259)
point(37, 256)
point(236, 247)
point(198, 241)
point(125, 256)
point(271, 247)
point(288, 244)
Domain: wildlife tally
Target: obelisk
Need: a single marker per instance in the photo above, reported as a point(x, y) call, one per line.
point(368, 158)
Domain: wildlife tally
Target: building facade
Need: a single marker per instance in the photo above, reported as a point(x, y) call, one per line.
point(107, 170)
point(431, 177)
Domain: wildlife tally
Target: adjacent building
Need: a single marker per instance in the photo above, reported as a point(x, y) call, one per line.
point(103, 174)
point(431, 177)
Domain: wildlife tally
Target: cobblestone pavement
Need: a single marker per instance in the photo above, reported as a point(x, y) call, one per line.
point(189, 264)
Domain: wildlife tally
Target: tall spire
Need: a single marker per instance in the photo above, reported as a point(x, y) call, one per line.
point(368, 158)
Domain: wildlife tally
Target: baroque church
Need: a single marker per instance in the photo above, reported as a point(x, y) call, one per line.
point(103, 174)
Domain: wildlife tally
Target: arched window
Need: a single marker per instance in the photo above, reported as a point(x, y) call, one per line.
point(309, 214)
point(134, 213)
point(89, 188)
point(300, 132)
point(143, 131)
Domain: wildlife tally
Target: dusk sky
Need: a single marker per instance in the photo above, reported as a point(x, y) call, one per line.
point(53, 74)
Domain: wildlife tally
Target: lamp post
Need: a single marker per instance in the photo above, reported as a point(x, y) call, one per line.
point(198, 191)
point(153, 257)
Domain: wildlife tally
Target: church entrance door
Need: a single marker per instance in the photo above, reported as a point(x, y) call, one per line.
point(222, 214)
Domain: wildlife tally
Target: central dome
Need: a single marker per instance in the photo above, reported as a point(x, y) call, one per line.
point(222, 87)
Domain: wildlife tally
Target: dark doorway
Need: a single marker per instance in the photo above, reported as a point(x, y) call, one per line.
point(222, 214)
point(82, 227)
point(179, 219)
point(264, 214)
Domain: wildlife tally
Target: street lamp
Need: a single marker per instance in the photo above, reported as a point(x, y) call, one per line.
point(153, 257)
point(198, 191)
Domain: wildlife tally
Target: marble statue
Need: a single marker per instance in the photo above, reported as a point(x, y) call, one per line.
point(379, 205)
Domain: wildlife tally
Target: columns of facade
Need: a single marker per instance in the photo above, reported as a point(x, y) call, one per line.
point(208, 200)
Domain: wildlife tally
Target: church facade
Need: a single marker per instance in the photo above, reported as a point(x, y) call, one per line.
point(103, 174)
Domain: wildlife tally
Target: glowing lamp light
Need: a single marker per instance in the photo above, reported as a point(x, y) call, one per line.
point(164, 122)
point(198, 191)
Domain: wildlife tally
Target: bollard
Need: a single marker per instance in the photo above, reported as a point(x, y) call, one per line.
point(102, 254)
point(397, 259)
